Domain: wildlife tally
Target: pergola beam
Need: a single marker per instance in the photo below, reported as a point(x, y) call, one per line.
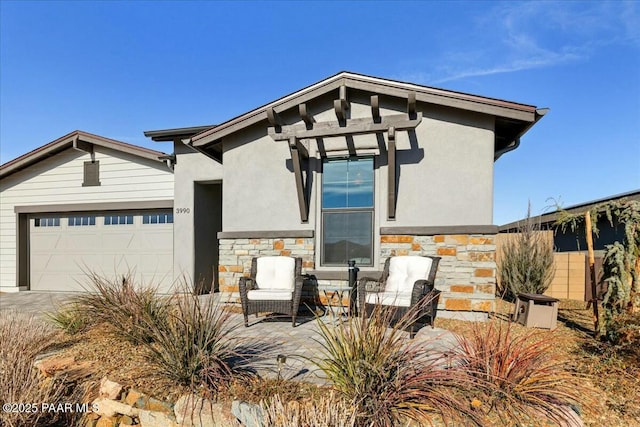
point(375, 108)
point(296, 159)
point(391, 173)
point(352, 127)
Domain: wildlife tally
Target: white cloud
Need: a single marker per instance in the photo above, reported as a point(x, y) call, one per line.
point(519, 36)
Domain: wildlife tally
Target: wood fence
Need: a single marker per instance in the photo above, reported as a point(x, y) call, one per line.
point(571, 279)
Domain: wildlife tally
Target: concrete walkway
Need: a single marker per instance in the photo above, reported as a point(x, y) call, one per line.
point(297, 344)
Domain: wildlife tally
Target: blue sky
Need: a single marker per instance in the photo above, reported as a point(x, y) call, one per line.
point(119, 68)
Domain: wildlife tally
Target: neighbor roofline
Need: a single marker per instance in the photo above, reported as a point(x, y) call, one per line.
point(549, 217)
point(68, 141)
point(427, 94)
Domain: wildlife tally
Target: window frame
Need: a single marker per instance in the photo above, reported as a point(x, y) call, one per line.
point(324, 211)
point(38, 222)
point(91, 221)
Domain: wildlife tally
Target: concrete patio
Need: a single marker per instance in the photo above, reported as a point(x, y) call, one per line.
point(297, 344)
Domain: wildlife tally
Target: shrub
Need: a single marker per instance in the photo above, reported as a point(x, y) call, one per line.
point(526, 261)
point(196, 344)
point(23, 338)
point(384, 378)
point(327, 411)
point(70, 317)
point(521, 375)
point(122, 304)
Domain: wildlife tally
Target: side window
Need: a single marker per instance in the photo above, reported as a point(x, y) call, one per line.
point(47, 222)
point(91, 174)
point(157, 218)
point(118, 219)
point(81, 221)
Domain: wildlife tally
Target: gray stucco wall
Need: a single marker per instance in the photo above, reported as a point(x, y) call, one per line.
point(191, 167)
point(444, 172)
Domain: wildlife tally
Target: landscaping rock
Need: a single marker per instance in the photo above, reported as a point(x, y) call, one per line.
point(63, 365)
point(106, 422)
point(195, 411)
point(156, 419)
point(126, 421)
point(248, 414)
point(132, 397)
point(109, 389)
point(109, 408)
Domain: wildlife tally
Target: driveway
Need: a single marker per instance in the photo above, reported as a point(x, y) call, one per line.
point(31, 302)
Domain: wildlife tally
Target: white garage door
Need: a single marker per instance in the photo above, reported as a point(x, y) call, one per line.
point(63, 248)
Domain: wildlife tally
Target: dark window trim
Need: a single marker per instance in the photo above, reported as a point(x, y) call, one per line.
point(91, 220)
point(371, 209)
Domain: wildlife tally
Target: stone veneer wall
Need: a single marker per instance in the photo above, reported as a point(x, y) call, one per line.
point(236, 255)
point(466, 274)
point(467, 271)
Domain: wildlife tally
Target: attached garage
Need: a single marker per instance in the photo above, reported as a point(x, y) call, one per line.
point(63, 248)
point(84, 203)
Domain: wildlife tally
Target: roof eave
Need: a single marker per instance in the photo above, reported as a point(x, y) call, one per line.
point(176, 133)
point(67, 141)
point(523, 112)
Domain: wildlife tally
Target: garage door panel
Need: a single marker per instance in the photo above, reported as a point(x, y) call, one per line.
point(49, 241)
point(121, 240)
point(61, 255)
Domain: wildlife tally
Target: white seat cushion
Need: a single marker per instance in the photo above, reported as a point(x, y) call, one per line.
point(276, 272)
point(395, 299)
point(404, 271)
point(269, 295)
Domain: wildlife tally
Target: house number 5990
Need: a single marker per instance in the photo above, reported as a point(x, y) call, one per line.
point(183, 210)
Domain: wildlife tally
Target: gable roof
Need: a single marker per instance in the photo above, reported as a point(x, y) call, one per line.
point(512, 119)
point(77, 139)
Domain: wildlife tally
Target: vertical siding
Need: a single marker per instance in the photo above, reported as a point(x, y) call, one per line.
point(58, 180)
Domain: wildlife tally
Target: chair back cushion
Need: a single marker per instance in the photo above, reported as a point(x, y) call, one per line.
point(276, 272)
point(405, 270)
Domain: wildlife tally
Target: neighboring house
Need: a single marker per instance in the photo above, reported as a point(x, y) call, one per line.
point(575, 241)
point(350, 168)
point(85, 203)
point(572, 278)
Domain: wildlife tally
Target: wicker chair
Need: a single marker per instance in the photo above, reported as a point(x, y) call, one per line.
point(405, 282)
point(274, 286)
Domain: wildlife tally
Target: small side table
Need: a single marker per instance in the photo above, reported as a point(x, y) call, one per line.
point(335, 295)
point(538, 311)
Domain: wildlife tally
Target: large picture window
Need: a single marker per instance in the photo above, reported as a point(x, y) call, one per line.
point(347, 211)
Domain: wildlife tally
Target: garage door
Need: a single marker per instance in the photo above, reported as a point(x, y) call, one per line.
point(64, 247)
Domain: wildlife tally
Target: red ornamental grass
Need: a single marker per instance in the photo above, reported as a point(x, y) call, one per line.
point(521, 373)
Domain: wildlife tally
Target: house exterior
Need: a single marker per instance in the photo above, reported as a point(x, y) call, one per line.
point(85, 203)
point(350, 168)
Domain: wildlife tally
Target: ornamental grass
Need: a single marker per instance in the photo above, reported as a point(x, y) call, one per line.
point(386, 379)
point(23, 338)
point(196, 344)
point(127, 307)
point(521, 374)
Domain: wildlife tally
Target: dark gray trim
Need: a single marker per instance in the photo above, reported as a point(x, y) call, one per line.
point(172, 134)
point(441, 229)
point(22, 251)
point(391, 174)
point(265, 234)
point(352, 127)
point(100, 206)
